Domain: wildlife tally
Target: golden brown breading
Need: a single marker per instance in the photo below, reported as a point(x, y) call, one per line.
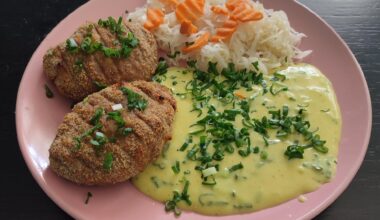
point(76, 74)
point(151, 129)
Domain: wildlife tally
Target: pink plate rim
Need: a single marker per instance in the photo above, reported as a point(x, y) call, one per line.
point(78, 215)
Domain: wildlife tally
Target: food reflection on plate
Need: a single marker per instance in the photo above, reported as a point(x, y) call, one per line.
point(233, 122)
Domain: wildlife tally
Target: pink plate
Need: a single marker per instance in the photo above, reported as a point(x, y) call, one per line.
point(37, 119)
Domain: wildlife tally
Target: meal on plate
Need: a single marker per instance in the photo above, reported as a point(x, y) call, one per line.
point(232, 123)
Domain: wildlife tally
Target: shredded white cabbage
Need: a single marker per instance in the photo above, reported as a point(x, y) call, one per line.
point(271, 41)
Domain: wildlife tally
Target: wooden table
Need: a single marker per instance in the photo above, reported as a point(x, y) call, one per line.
point(24, 24)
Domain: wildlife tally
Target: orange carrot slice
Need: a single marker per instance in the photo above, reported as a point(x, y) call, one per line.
point(230, 23)
point(216, 38)
point(190, 10)
point(219, 10)
point(239, 95)
point(198, 44)
point(252, 17)
point(188, 13)
point(225, 32)
point(148, 25)
point(241, 10)
point(196, 6)
point(155, 17)
point(188, 28)
point(232, 4)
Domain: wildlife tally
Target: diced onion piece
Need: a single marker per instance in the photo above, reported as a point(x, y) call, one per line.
point(73, 43)
point(209, 171)
point(99, 134)
point(117, 107)
point(302, 198)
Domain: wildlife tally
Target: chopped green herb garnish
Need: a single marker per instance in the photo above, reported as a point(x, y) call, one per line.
point(236, 167)
point(71, 45)
point(186, 144)
point(243, 206)
point(176, 169)
point(264, 155)
point(126, 41)
point(98, 141)
point(162, 67)
point(256, 65)
point(127, 131)
point(192, 63)
point(78, 65)
point(210, 181)
point(246, 152)
point(48, 92)
point(87, 133)
point(155, 181)
point(295, 151)
point(99, 85)
point(174, 55)
point(97, 115)
point(112, 139)
point(89, 195)
point(256, 150)
point(277, 88)
point(89, 46)
point(135, 100)
point(117, 117)
point(278, 77)
point(171, 205)
point(108, 160)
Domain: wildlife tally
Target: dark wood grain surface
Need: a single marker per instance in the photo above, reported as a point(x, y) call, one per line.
point(25, 23)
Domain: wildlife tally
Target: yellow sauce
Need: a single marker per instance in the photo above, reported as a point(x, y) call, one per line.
point(262, 183)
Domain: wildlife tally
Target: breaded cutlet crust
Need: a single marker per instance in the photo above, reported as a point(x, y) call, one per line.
point(60, 65)
point(131, 153)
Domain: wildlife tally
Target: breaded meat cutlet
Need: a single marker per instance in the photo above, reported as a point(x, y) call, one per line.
point(101, 54)
point(102, 142)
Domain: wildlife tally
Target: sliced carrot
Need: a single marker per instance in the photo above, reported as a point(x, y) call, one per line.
point(239, 95)
point(188, 28)
point(219, 10)
point(243, 11)
point(148, 25)
point(232, 4)
point(240, 9)
point(226, 31)
point(155, 17)
point(186, 12)
point(217, 38)
point(223, 33)
point(198, 44)
point(181, 17)
point(190, 10)
point(230, 23)
point(196, 6)
point(252, 17)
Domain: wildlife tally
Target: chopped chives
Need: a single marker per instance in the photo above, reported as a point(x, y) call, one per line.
point(236, 167)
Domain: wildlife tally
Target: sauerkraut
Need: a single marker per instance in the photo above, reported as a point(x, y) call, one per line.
point(271, 41)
